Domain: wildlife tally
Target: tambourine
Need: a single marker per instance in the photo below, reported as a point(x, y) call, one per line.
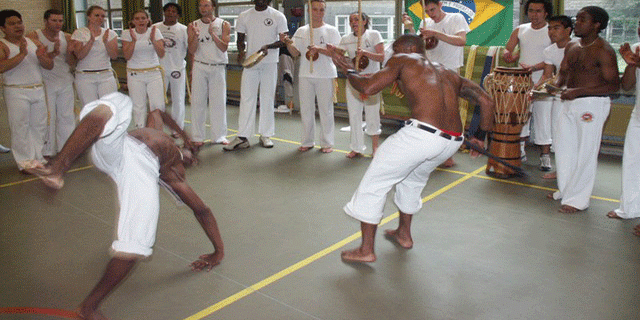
point(363, 63)
point(431, 43)
point(253, 59)
point(310, 58)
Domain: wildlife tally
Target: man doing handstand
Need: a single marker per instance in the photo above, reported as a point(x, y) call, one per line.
point(137, 161)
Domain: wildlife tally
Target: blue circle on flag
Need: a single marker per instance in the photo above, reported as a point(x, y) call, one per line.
point(465, 7)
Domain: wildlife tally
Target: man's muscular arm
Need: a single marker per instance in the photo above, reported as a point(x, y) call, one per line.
point(374, 83)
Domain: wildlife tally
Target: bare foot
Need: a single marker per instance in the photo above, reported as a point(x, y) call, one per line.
point(401, 240)
point(568, 209)
point(354, 154)
point(326, 149)
point(550, 175)
point(448, 163)
point(207, 261)
point(304, 149)
point(90, 315)
point(356, 255)
point(636, 230)
point(550, 196)
point(613, 215)
point(54, 181)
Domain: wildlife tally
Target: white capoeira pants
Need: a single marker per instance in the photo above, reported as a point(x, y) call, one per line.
point(62, 120)
point(136, 172)
point(27, 113)
point(309, 89)
point(404, 160)
point(542, 121)
point(263, 76)
point(176, 82)
point(630, 198)
point(92, 85)
point(143, 86)
point(209, 91)
point(355, 106)
point(577, 144)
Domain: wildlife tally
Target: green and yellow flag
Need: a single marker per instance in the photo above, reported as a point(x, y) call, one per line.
point(490, 21)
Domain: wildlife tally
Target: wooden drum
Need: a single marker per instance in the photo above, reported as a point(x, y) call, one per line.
point(508, 87)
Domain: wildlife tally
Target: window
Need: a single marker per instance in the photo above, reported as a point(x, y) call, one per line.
point(383, 24)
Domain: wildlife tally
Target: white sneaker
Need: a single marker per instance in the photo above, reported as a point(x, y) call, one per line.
point(282, 109)
point(4, 149)
point(545, 162)
point(237, 144)
point(523, 152)
point(266, 142)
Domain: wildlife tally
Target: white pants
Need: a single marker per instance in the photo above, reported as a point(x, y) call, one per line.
point(62, 120)
point(27, 113)
point(578, 142)
point(92, 85)
point(404, 160)
point(556, 107)
point(541, 113)
point(143, 86)
point(209, 83)
point(322, 89)
point(355, 106)
point(630, 198)
point(176, 81)
point(263, 76)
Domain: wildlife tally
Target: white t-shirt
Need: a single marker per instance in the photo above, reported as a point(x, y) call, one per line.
point(553, 55)
point(27, 72)
point(532, 44)
point(97, 58)
point(61, 70)
point(144, 53)
point(175, 46)
point(208, 51)
point(368, 42)
point(448, 55)
point(262, 28)
point(323, 67)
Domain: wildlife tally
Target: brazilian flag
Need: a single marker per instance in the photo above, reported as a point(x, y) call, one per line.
point(491, 21)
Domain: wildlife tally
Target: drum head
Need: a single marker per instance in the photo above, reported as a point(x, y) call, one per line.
point(253, 59)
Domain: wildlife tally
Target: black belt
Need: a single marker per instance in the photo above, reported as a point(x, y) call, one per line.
point(433, 130)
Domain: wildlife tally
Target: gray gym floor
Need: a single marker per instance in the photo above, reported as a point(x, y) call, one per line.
point(484, 248)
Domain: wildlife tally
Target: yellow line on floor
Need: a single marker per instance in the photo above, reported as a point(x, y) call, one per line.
point(36, 178)
point(297, 266)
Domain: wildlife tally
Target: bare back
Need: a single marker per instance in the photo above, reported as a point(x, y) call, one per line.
point(432, 91)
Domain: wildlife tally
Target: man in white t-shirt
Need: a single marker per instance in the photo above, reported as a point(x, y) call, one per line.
point(560, 28)
point(173, 62)
point(57, 81)
point(315, 76)
point(362, 43)
point(448, 32)
point(533, 38)
point(208, 41)
point(262, 26)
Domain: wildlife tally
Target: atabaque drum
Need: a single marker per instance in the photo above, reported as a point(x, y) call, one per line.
point(508, 87)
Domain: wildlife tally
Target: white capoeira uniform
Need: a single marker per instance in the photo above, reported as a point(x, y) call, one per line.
point(60, 97)
point(577, 145)
point(261, 28)
point(630, 197)
point(209, 83)
point(25, 100)
point(404, 160)
point(94, 75)
point(546, 109)
point(174, 64)
point(316, 85)
point(145, 77)
point(136, 172)
point(450, 56)
point(355, 104)
point(532, 43)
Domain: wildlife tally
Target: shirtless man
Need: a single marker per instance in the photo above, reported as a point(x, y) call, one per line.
point(137, 161)
point(406, 159)
point(588, 73)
